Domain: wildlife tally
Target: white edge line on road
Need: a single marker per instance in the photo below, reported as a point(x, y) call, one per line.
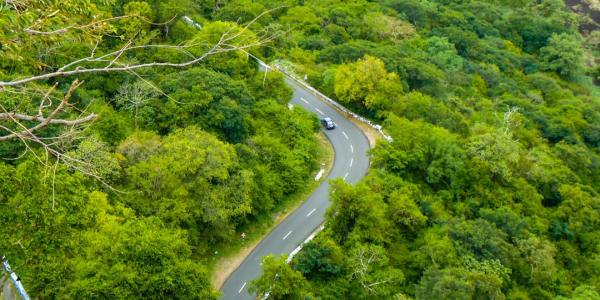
point(295, 251)
point(288, 234)
point(346, 175)
point(320, 111)
point(351, 162)
point(320, 174)
point(351, 148)
point(322, 226)
point(311, 212)
point(242, 288)
point(345, 135)
point(312, 235)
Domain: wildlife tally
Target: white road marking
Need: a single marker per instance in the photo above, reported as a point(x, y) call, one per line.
point(351, 148)
point(293, 253)
point(345, 175)
point(288, 234)
point(242, 288)
point(318, 110)
point(308, 239)
point(311, 212)
point(351, 161)
point(320, 174)
point(345, 135)
point(304, 100)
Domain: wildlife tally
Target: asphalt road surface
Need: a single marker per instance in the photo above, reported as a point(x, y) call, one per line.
point(351, 163)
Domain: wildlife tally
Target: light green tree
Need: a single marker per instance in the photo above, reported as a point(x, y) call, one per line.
point(367, 83)
point(383, 27)
point(137, 259)
point(539, 256)
point(564, 55)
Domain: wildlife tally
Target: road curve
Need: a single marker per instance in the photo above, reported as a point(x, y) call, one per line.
point(351, 163)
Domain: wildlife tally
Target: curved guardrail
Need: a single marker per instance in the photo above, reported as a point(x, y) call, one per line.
point(322, 96)
point(326, 99)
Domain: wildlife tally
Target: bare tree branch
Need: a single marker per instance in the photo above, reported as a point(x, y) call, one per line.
point(218, 48)
point(222, 46)
point(15, 4)
point(507, 119)
point(82, 27)
point(65, 29)
point(44, 121)
point(363, 263)
point(26, 126)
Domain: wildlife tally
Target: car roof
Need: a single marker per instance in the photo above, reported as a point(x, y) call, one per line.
point(327, 119)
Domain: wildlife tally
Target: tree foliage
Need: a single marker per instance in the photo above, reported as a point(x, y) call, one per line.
point(489, 190)
point(366, 83)
point(187, 158)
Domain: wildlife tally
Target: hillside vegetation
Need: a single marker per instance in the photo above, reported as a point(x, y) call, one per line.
point(138, 203)
point(489, 190)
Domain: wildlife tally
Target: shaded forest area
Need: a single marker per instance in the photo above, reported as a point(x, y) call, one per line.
point(490, 189)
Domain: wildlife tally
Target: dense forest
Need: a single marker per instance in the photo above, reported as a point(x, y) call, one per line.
point(490, 188)
point(119, 179)
point(174, 165)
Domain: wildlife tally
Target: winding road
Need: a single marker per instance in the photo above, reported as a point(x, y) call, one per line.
point(351, 163)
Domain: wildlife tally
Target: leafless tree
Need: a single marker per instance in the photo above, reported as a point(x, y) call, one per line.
point(508, 119)
point(363, 262)
point(133, 96)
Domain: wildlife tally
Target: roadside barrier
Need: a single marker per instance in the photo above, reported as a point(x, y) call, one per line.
point(340, 107)
point(326, 99)
point(323, 97)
